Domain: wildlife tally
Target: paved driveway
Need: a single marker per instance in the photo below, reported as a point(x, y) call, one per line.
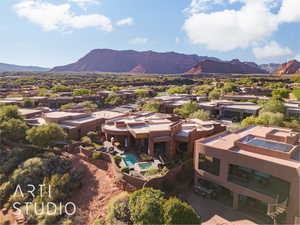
point(215, 213)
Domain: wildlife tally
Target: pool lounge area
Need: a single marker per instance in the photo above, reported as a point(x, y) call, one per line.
point(133, 162)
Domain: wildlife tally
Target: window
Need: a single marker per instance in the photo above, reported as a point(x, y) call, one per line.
point(209, 164)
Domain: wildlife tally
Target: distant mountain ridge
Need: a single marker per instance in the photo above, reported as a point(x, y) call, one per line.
point(14, 68)
point(233, 66)
point(107, 60)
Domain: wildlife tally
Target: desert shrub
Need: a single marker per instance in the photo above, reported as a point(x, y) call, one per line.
point(118, 210)
point(4, 222)
point(214, 94)
point(92, 135)
point(142, 93)
point(187, 109)
point(117, 158)
point(98, 222)
point(125, 169)
point(67, 222)
point(28, 103)
point(177, 90)
point(151, 106)
point(151, 172)
point(96, 155)
point(5, 190)
point(274, 106)
point(90, 148)
point(86, 140)
point(280, 93)
point(296, 93)
point(200, 114)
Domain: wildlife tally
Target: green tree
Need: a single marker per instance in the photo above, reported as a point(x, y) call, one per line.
point(274, 105)
point(200, 114)
point(228, 87)
point(9, 112)
point(296, 93)
point(145, 206)
point(13, 130)
point(28, 103)
point(271, 119)
point(151, 106)
point(113, 99)
point(202, 89)
point(177, 90)
point(60, 88)
point(295, 79)
point(214, 94)
point(280, 93)
point(89, 105)
point(46, 135)
point(141, 93)
point(187, 109)
point(67, 106)
point(81, 92)
point(251, 120)
point(178, 212)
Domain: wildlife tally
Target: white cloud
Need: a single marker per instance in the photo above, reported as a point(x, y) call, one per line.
point(271, 50)
point(290, 11)
point(126, 21)
point(297, 57)
point(231, 29)
point(138, 40)
point(84, 3)
point(177, 40)
point(53, 17)
point(197, 6)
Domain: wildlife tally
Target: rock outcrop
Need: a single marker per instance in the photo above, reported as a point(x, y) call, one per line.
point(234, 67)
point(291, 67)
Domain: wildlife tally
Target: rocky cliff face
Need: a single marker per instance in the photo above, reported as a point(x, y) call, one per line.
point(107, 60)
point(234, 66)
point(291, 67)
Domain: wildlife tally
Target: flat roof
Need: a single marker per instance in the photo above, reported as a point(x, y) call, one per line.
point(226, 140)
point(25, 112)
point(106, 114)
point(257, 137)
point(62, 114)
point(267, 144)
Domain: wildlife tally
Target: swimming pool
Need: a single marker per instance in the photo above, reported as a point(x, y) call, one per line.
point(130, 160)
point(145, 165)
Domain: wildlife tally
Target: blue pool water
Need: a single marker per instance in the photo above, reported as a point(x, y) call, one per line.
point(130, 159)
point(145, 166)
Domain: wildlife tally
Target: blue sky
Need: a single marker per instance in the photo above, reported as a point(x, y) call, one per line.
point(57, 32)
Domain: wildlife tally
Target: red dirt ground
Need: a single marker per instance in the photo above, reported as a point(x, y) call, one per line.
point(9, 216)
point(98, 187)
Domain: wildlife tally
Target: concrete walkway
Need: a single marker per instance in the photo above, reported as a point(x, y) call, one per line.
point(215, 213)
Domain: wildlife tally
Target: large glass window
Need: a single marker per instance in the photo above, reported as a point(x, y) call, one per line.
point(209, 164)
point(259, 181)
